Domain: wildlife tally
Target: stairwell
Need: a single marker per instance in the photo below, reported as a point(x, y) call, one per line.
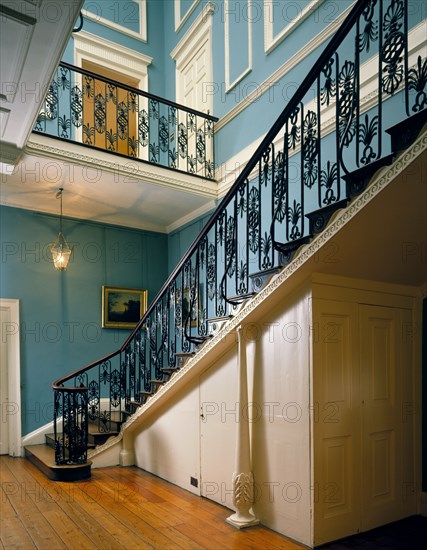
point(189, 325)
point(107, 432)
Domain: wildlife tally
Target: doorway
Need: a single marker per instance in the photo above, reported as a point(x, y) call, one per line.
point(110, 112)
point(364, 443)
point(10, 389)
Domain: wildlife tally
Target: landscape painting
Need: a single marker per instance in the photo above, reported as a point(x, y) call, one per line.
point(122, 307)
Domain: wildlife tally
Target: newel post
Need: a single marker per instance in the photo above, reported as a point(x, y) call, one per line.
point(243, 479)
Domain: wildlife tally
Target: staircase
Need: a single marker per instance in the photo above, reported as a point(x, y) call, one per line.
point(338, 141)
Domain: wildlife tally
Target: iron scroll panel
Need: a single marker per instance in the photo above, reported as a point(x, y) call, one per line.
point(91, 110)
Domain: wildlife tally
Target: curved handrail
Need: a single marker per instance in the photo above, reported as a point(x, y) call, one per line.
point(332, 138)
point(308, 81)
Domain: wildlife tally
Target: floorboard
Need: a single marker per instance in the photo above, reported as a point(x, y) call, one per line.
point(127, 508)
point(117, 508)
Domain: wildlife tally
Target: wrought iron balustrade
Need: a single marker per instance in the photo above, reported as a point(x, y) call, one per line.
point(319, 153)
point(94, 111)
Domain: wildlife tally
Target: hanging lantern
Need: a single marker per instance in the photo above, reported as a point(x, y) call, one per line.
point(61, 252)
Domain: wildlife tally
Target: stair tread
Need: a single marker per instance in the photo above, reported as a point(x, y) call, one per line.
point(52, 438)
point(47, 455)
point(43, 458)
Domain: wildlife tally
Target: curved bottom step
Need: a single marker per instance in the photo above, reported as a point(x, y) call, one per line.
point(43, 458)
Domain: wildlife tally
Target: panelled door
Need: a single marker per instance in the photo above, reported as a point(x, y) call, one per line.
point(387, 434)
point(194, 76)
point(336, 413)
point(363, 418)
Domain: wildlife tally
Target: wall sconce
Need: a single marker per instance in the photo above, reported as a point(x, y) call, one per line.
point(60, 250)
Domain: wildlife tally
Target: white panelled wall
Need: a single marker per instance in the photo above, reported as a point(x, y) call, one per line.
point(195, 435)
point(312, 443)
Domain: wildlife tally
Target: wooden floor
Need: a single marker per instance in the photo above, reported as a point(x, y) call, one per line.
point(117, 508)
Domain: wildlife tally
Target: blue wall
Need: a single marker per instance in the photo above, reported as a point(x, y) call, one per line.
point(256, 119)
point(60, 312)
point(179, 241)
point(115, 12)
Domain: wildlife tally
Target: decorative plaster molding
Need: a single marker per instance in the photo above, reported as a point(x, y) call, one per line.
point(126, 167)
point(108, 54)
point(180, 21)
point(141, 35)
point(380, 181)
point(272, 80)
point(198, 29)
point(230, 85)
point(270, 41)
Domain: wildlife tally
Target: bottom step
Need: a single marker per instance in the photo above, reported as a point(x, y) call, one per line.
point(43, 457)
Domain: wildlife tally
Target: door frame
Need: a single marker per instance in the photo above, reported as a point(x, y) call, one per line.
point(14, 375)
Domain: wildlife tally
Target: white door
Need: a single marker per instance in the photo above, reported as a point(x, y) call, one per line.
point(336, 410)
point(218, 429)
point(363, 418)
point(193, 80)
point(387, 419)
point(4, 417)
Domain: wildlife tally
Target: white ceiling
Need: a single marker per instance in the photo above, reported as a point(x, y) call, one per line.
point(100, 188)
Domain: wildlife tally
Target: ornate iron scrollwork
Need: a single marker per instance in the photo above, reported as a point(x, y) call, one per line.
point(393, 47)
point(329, 132)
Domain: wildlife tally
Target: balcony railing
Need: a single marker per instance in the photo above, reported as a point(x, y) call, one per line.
point(319, 154)
point(97, 112)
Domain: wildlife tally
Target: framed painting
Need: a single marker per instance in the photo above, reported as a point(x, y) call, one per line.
point(122, 307)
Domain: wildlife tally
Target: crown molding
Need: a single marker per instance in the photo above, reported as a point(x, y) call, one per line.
point(124, 166)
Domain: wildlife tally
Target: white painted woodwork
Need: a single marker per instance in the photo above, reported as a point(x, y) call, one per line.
point(141, 6)
point(33, 36)
point(335, 410)
point(112, 56)
point(364, 409)
point(4, 392)
point(168, 444)
point(243, 478)
point(193, 76)
point(388, 411)
point(218, 420)
point(193, 57)
point(10, 383)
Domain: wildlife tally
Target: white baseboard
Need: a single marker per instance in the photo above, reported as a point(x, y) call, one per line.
point(423, 504)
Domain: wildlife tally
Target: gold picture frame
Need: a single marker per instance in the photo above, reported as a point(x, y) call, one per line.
point(122, 307)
